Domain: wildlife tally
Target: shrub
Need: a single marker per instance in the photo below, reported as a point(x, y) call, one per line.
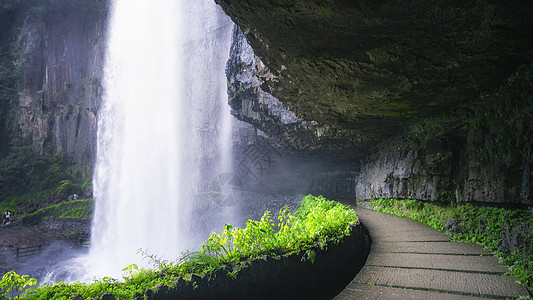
point(12, 285)
point(318, 222)
point(72, 209)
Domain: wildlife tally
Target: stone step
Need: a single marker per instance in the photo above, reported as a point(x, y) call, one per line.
point(479, 264)
point(371, 292)
point(429, 247)
point(475, 284)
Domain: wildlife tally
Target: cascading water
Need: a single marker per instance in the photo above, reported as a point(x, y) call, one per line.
point(163, 130)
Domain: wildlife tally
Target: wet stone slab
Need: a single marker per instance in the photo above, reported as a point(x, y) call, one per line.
point(409, 260)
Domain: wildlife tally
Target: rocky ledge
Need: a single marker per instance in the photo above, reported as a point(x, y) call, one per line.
point(362, 71)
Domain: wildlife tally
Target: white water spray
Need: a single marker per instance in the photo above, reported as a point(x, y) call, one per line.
point(163, 129)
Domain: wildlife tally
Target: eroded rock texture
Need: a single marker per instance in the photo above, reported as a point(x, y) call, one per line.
point(413, 87)
point(426, 94)
point(59, 66)
point(367, 69)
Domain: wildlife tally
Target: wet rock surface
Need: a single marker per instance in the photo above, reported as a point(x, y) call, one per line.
point(366, 70)
point(486, 159)
point(422, 98)
point(58, 52)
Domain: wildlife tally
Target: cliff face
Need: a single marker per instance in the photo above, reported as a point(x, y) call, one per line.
point(487, 160)
point(421, 98)
point(367, 69)
point(279, 153)
point(252, 105)
point(419, 89)
point(58, 53)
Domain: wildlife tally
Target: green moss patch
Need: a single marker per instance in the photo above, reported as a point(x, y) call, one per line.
point(72, 209)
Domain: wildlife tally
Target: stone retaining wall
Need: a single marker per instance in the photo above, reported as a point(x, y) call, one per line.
point(285, 277)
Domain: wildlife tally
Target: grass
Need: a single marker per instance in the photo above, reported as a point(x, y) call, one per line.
point(317, 223)
point(72, 209)
point(507, 233)
point(39, 202)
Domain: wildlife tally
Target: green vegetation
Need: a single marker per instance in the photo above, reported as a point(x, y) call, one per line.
point(12, 285)
point(26, 171)
point(73, 209)
point(48, 6)
point(31, 171)
point(8, 78)
point(30, 180)
point(506, 109)
point(316, 224)
point(507, 233)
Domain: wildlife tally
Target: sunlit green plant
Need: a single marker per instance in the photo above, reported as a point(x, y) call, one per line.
point(12, 285)
point(316, 224)
point(71, 209)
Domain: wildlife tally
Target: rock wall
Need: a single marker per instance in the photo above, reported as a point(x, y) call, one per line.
point(282, 277)
point(414, 89)
point(485, 158)
point(249, 103)
point(59, 57)
point(276, 152)
point(366, 70)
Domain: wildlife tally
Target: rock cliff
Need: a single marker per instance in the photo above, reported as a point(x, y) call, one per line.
point(57, 52)
point(282, 153)
point(368, 78)
point(485, 158)
point(423, 98)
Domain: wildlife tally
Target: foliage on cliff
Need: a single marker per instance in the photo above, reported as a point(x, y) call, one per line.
point(30, 166)
point(42, 6)
point(25, 173)
point(317, 223)
point(465, 154)
point(8, 86)
point(505, 232)
point(72, 209)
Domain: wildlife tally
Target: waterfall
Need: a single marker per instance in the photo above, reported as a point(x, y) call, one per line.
point(163, 130)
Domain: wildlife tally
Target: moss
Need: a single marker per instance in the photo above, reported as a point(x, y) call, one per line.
point(73, 209)
point(344, 63)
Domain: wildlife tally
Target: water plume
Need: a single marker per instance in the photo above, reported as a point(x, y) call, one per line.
point(163, 129)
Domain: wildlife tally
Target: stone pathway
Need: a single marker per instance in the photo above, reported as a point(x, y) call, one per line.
point(409, 260)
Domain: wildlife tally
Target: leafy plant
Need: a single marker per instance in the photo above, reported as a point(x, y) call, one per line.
point(317, 223)
point(12, 285)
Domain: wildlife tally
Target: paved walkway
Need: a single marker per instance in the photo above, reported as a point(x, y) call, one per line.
point(409, 260)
